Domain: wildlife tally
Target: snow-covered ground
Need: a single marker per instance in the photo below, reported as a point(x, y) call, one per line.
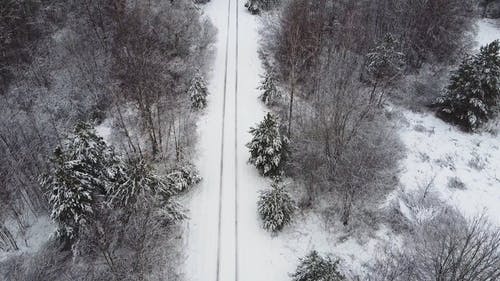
point(487, 31)
point(36, 234)
point(202, 229)
point(225, 202)
point(440, 153)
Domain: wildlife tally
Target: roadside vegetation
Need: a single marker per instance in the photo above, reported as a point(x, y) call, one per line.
point(342, 69)
point(98, 104)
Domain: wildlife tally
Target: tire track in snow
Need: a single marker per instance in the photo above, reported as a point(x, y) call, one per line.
point(236, 266)
point(222, 142)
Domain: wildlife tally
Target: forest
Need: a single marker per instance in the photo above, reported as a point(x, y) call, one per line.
point(301, 140)
point(66, 66)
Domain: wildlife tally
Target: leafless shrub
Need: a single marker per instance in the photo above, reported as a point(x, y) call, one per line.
point(477, 162)
point(447, 162)
point(446, 247)
point(456, 183)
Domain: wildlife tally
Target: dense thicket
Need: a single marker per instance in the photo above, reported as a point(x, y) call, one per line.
point(336, 60)
point(444, 247)
point(428, 31)
point(62, 62)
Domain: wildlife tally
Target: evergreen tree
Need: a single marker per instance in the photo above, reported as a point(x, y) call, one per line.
point(268, 148)
point(471, 98)
point(182, 177)
point(269, 91)
point(138, 181)
point(275, 207)
point(198, 92)
point(141, 185)
point(255, 6)
point(314, 267)
point(83, 170)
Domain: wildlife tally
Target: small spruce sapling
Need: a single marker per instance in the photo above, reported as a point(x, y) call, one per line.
point(198, 92)
point(268, 148)
point(275, 207)
point(269, 90)
point(314, 267)
point(182, 177)
point(256, 6)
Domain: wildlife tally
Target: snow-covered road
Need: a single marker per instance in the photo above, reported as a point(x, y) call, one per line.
point(223, 231)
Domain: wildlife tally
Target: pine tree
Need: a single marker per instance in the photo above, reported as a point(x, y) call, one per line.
point(471, 98)
point(268, 148)
point(275, 207)
point(314, 267)
point(269, 91)
point(83, 170)
point(255, 6)
point(182, 177)
point(138, 182)
point(198, 92)
point(141, 186)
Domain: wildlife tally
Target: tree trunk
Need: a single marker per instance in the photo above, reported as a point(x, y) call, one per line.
point(290, 110)
point(346, 209)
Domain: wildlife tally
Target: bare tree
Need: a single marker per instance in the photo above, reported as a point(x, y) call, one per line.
point(345, 147)
point(445, 248)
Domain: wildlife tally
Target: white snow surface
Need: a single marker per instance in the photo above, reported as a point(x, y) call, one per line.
point(439, 152)
point(104, 130)
point(488, 31)
point(37, 233)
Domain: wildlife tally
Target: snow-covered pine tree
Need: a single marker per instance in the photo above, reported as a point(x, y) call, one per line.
point(314, 267)
point(269, 90)
point(82, 172)
point(472, 96)
point(198, 92)
point(275, 207)
point(255, 6)
point(138, 182)
point(268, 148)
point(141, 185)
point(182, 177)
